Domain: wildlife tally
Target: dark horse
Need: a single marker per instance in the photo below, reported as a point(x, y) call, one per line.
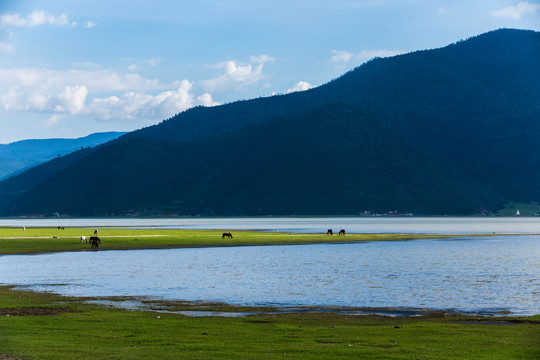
point(228, 235)
point(329, 232)
point(94, 242)
point(342, 232)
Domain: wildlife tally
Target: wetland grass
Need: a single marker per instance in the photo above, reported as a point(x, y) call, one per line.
point(48, 326)
point(42, 240)
point(68, 328)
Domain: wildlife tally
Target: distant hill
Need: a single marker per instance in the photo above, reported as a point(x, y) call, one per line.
point(22, 155)
point(445, 131)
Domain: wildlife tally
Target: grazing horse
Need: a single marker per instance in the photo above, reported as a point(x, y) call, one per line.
point(94, 242)
point(226, 235)
point(61, 228)
point(329, 232)
point(342, 232)
point(95, 232)
point(83, 239)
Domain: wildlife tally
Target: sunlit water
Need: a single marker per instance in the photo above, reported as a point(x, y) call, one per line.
point(485, 275)
point(412, 225)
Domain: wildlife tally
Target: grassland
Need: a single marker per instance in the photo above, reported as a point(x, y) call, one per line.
point(48, 326)
point(40, 240)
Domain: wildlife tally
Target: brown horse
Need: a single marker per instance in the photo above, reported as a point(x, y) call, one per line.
point(226, 235)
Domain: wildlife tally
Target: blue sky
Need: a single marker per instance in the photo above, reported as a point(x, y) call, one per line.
point(71, 68)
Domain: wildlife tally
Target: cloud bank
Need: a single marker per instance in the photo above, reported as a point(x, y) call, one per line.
point(237, 75)
point(133, 105)
point(35, 18)
point(81, 92)
point(108, 95)
point(517, 12)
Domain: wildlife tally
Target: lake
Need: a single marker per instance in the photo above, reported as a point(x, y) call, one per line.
point(411, 225)
point(481, 275)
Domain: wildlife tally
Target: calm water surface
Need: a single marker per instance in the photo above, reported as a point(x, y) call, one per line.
point(411, 225)
point(480, 275)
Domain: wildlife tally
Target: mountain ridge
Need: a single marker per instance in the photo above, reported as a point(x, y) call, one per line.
point(21, 155)
point(441, 131)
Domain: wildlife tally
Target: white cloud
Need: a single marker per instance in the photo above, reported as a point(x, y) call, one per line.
point(80, 92)
point(517, 12)
point(366, 55)
point(54, 81)
point(34, 19)
point(299, 86)
point(53, 120)
point(341, 58)
point(73, 98)
point(90, 25)
point(134, 105)
point(206, 100)
point(237, 76)
point(6, 48)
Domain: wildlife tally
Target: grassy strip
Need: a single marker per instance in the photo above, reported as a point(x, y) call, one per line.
point(66, 328)
point(41, 240)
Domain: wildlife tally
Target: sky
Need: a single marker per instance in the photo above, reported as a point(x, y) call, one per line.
point(72, 68)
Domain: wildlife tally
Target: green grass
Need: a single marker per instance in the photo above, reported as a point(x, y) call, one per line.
point(96, 332)
point(47, 326)
point(39, 240)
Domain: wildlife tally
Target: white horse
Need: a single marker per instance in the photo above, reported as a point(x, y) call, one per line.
point(83, 239)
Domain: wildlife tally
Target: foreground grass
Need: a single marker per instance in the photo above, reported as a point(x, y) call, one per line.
point(40, 240)
point(69, 329)
point(46, 326)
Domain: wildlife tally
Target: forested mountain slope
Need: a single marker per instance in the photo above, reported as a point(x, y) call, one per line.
point(21, 155)
point(444, 131)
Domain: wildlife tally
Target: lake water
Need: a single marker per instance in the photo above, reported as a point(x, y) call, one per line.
point(484, 275)
point(412, 225)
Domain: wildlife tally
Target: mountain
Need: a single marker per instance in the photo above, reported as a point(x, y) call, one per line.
point(22, 155)
point(445, 131)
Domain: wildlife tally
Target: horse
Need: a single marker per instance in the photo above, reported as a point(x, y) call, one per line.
point(83, 239)
point(329, 232)
point(94, 242)
point(342, 232)
point(226, 235)
point(61, 228)
point(95, 232)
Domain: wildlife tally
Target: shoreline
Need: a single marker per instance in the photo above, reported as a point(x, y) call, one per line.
point(204, 238)
point(47, 326)
point(14, 241)
point(52, 240)
point(201, 308)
